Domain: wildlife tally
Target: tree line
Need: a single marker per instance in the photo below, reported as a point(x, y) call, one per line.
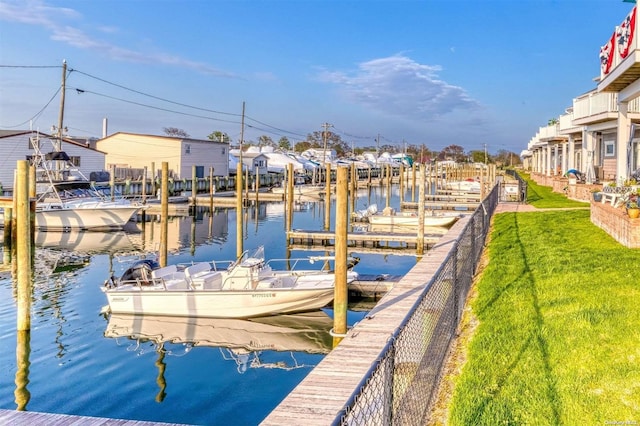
point(419, 153)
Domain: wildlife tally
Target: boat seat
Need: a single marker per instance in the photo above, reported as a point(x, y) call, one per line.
point(172, 278)
point(201, 277)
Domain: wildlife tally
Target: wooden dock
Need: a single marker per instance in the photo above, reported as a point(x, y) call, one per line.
point(228, 199)
point(373, 285)
point(441, 205)
point(11, 417)
point(359, 239)
point(326, 390)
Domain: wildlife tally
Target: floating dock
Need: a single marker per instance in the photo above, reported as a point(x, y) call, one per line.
point(359, 239)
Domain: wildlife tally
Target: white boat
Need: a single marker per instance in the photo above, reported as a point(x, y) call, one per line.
point(411, 219)
point(389, 217)
point(67, 200)
point(469, 185)
point(247, 288)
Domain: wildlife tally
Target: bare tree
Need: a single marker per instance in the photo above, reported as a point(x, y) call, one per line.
point(174, 131)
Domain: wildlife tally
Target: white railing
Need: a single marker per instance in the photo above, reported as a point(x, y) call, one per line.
point(594, 103)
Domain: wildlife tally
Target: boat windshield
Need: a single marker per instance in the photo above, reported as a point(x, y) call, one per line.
point(252, 259)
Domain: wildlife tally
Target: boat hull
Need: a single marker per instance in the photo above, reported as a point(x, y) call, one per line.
point(84, 218)
point(218, 303)
point(411, 220)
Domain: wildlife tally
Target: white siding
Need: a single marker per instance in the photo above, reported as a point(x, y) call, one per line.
point(206, 154)
point(138, 151)
point(14, 148)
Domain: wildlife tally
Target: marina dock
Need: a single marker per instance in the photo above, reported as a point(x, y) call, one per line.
point(13, 417)
point(326, 239)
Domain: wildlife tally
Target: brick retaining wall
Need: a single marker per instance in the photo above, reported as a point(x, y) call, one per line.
point(616, 222)
point(561, 185)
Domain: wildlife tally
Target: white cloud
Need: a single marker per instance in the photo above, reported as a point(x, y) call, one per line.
point(36, 12)
point(399, 86)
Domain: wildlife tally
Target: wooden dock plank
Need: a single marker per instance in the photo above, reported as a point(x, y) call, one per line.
point(12, 417)
point(342, 370)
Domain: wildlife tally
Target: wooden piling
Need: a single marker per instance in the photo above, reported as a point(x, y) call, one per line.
point(194, 185)
point(112, 182)
point(341, 294)
point(289, 198)
point(23, 249)
point(327, 197)
point(401, 182)
point(413, 181)
point(164, 213)
point(420, 239)
point(154, 176)
point(23, 351)
point(144, 187)
point(8, 228)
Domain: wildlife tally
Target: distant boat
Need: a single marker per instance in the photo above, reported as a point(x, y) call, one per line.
point(411, 219)
point(469, 185)
point(300, 187)
point(389, 217)
point(247, 288)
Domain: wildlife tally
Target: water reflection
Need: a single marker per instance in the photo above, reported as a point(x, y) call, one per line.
point(242, 342)
point(198, 226)
point(23, 351)
point(86, 242)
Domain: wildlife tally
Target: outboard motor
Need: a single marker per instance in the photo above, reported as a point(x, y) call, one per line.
point(140, 271)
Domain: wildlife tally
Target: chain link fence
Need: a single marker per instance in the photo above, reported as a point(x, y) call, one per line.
point(401, 386)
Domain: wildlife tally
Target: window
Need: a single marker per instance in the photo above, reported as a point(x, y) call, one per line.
point(187, 148)
point(609, 148)
point(222, 151)
point(75, 161)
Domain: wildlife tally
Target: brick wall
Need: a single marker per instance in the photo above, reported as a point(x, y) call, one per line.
point(616, 222)
point(579, 191)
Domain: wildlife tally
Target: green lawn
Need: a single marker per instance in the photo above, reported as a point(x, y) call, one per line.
point(543, 197)
point(558, 338)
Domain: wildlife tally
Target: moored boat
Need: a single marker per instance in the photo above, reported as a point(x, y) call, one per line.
point(412, 219)
point(247, 288)
point(67, 200)
point(469, 186)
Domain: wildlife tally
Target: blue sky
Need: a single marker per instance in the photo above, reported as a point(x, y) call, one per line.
point(433, 72)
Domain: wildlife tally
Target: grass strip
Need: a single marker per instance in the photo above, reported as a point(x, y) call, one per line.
point(543, 197)
point(558, 340)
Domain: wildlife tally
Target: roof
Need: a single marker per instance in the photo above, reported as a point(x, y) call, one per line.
point(166, 137)
point(72, 141)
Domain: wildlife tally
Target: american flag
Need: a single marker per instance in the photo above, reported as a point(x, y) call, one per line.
point(606, 55)
point(625, 33)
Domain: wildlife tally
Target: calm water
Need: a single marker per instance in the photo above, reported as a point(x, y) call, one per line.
point(79, 361)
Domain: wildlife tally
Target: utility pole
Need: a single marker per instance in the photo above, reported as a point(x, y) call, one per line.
point(485, 153)
point(241, 133)
point(378, 146)
point(324, 139)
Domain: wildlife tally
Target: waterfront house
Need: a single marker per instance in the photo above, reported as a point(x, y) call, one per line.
point(254, 162)
point(137, 151)
point(16, 145)
point(600, 133)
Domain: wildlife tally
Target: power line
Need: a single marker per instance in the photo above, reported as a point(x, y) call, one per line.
point(36, 114)
point(82, 91)
point(153, 96)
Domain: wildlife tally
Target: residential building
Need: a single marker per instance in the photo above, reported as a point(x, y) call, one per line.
point(600, 133)
point(17, 145)
point(137, 151)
